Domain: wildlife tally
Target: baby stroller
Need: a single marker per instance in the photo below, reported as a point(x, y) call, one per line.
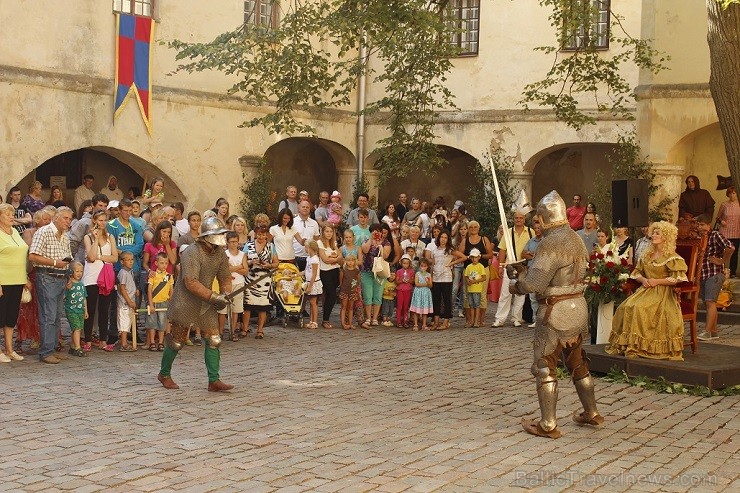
point(287, 284)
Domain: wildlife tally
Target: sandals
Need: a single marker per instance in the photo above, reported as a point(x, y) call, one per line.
point(235, 337)
point(259, 335)
point(243, 333)
point(312, 325)
point(374, 323)
point(152, 347)
point(327, 325)
point(346, 327)
point(160, 347)
point(416, 328)
point(126, 349)
point(366, 324)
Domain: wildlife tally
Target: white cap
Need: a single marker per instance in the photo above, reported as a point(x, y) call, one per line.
point(406, 256)
point(457, 205)
point(474, 253)
point(112, 204)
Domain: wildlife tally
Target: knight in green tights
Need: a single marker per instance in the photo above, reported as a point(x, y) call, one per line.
point(194, 304)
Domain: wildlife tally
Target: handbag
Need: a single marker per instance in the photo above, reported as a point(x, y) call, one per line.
point(381, 268)
point(26, 295)
point(106, 278)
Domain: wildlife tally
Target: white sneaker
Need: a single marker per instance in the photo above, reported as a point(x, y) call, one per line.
point(4, 358)
point(532, 325)
point(706, 336)
point(15, 356)
point(497, 323)
point(461, 314)
point(517, 323)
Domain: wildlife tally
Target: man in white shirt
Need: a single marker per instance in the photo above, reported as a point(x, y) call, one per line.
point(307, 228)
point(84, 192)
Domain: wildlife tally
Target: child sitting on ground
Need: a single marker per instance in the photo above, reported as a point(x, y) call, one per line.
point(75, 306)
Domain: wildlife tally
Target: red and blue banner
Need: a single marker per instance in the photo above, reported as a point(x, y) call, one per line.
point(134, 37)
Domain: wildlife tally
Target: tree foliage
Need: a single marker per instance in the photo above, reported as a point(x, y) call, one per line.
point(588, 71)
point(257, 195)
point(312, 62)
point(628, 162)
point(483, 203)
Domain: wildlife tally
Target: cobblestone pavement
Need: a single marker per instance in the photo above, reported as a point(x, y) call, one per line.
point(385, 410)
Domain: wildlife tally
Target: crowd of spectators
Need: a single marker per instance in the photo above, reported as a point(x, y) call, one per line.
point(127, 246)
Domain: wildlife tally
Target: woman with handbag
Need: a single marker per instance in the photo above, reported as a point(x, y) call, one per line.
point(373, 268)
point(13, 253)
point(100, 255)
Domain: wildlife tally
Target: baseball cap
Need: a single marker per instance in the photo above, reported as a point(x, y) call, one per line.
point(474, 252)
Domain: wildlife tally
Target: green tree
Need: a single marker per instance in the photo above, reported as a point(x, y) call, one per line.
point(312, 61)
point(483, 203)
point(628, 162)
point(587, 72)
point(257, 195)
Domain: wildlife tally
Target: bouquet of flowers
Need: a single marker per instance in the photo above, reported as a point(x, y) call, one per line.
point(606, 277)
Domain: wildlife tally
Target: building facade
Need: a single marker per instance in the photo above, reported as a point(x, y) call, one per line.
point(57, 65)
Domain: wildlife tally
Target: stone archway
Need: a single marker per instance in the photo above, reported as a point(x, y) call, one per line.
point(101, 162)
point(568, 168)
point(453, 181)
point(702, 153)
point(311, 164)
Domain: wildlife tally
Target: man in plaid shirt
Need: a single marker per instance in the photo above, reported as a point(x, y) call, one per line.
point(50, 255)
point(713, 273)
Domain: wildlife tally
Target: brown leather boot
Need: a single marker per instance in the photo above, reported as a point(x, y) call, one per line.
point(167, 382)
point(219, 386)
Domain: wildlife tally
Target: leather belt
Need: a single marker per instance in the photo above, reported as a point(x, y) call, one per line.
point(550, 301)
point(59, 274)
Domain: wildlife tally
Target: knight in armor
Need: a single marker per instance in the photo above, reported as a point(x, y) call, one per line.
point(195, 305)
point(556, 275)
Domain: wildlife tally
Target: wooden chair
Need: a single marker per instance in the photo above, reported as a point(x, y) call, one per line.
point(692, 250)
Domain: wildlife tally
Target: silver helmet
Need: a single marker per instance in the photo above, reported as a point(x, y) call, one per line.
point(212, 230)
point(552, 211)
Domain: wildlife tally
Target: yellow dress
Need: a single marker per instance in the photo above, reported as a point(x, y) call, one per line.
point(649, 323)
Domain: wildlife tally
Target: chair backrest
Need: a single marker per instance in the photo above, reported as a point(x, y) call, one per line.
point(692, 250)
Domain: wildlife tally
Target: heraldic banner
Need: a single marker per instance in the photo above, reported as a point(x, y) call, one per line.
point(134, 36)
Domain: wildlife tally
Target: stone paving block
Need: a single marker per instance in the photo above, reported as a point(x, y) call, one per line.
point(360, 411)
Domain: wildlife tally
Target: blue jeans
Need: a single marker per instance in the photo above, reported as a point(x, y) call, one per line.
point(457, 291)
point(49, 294)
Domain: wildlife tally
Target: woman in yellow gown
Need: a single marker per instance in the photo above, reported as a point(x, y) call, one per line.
point(649, 324)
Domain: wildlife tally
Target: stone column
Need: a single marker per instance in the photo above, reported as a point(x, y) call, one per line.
point(249, 166)
point(523, 179)
point(345, 180)
point(670, 176)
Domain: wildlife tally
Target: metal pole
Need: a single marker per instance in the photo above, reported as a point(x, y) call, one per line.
point(361, 85)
